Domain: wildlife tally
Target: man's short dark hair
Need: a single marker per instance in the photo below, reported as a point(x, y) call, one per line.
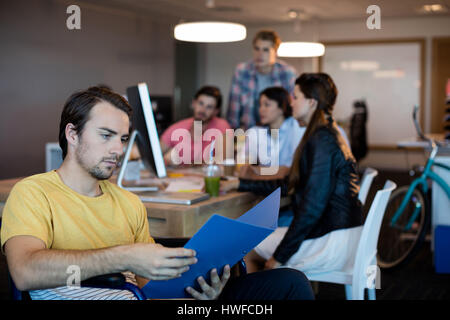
point(212, 92)
point(268, 35)
point(77, 109)
point(104, 86)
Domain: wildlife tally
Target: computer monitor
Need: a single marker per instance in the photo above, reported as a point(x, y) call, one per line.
point(162, 109)
point(144, 133)
point(146, 136)
point(53, 156)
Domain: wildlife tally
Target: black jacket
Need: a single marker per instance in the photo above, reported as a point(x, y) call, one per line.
point(325, 199)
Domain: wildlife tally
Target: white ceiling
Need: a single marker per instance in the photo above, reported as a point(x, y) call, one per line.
point(261, 12)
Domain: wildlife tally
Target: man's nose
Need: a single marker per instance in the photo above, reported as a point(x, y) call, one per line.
point(201, 109)
point(117, 148)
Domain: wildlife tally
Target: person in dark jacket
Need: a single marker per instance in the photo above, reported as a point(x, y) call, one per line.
point(323, 184)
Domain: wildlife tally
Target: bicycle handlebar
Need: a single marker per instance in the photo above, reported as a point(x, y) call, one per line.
point(434, 144)
point(416, 124)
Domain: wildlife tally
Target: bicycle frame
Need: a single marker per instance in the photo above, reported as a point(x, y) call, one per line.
point(423, 182)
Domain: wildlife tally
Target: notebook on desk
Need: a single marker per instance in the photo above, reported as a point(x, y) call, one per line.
point(186, 198)
point(185, 184)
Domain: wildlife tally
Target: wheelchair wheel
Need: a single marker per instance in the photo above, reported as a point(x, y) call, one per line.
point(396, 245)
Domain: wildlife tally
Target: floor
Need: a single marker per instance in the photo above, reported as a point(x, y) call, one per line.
point(415, 281)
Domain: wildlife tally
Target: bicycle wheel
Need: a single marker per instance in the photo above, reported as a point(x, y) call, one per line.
point(398, 244)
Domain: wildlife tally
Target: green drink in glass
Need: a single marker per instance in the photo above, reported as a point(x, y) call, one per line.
point(212, 180)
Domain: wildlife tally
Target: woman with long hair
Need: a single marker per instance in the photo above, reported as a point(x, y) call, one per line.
point(323, 185)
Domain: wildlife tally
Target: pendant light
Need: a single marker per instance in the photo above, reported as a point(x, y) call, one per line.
point(210, 31)
point(300, 49)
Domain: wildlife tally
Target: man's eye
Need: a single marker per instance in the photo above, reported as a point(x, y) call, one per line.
point(124, 140)
point(106, 136)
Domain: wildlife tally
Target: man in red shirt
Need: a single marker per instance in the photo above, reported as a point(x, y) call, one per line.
point(185, 141)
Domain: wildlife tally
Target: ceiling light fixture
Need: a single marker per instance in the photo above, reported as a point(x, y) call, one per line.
point(301, 49)
point(292, 13)
point(296, 49)
point(433, 8)
point(210, 31)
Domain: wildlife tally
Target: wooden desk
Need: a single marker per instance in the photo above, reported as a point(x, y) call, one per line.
point(167, 220)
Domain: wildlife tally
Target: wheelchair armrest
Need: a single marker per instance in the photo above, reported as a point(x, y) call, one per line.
point(111, 281)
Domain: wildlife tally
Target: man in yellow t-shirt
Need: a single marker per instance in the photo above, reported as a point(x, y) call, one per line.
point(74, 217)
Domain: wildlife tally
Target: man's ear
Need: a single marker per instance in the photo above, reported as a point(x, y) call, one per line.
point(71, 134)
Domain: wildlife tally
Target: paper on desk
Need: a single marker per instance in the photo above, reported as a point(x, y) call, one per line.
point(191, 184)
point(219, 242)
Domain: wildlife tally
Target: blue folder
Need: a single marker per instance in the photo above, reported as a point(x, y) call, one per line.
point(219, 242)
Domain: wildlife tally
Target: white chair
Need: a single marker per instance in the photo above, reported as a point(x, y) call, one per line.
point(366, 181)
point(358, 275)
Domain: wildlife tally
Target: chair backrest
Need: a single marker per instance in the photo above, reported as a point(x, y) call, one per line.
point(367, 247)
point(366, 182)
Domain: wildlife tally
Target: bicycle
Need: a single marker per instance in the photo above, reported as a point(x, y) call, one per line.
point(408, 212)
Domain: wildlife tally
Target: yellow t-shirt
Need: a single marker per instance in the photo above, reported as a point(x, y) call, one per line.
point(44, 207)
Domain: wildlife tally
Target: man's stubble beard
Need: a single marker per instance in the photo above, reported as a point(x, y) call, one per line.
point(95, 171)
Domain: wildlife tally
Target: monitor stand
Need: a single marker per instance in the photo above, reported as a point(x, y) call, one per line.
point(123, 168)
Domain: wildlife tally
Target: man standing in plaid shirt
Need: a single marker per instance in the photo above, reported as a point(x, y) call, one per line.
point(250, 78)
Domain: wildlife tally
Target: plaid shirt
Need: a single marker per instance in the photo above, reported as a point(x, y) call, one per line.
point(243, 92)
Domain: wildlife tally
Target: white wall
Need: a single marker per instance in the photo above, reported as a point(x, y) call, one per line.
point(42, 63)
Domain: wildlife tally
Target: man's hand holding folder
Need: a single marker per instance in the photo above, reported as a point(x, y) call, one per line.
point(211, 292)
point(155, 262)
point(220, 242)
